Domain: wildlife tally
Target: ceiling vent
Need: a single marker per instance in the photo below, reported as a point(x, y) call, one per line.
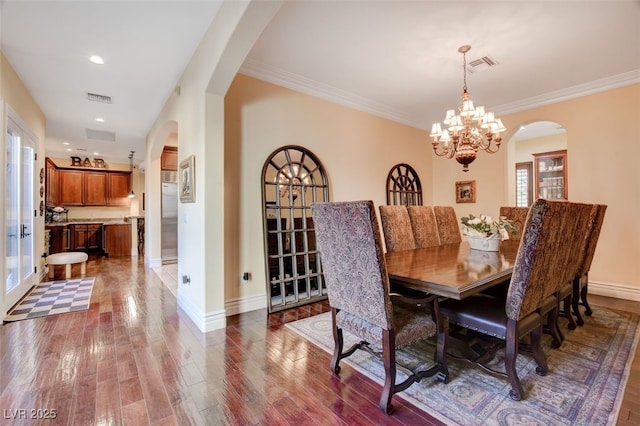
point(99, 98)
point(101, 135)
point(481, 64)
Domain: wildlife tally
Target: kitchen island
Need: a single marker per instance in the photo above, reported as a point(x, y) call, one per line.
point(111, 237)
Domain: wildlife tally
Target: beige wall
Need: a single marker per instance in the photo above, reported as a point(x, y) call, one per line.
point(524, 149)
point(603, 144)
point(15, 96)
point(357, 150)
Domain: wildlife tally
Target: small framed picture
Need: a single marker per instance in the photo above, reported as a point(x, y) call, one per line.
point(187, 182)
point(466, 191)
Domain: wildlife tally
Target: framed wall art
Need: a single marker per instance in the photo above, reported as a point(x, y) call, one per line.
point(187, 171)
point(466, 191)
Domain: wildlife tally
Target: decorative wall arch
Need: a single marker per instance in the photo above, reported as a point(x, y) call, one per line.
point(403, 186)
point(293, 178)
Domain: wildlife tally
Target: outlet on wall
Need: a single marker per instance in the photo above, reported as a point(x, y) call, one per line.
point(246, 276)
point(186, 279)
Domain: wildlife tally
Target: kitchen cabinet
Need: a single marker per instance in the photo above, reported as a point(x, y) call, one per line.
point(51, 183)
point(169, 159)
point(82, 187)
point(85, 236)
point(119, 187)
point(58, 238)
point(95, 188)
point(117, 240)
point(71, 187)
point(551, 172)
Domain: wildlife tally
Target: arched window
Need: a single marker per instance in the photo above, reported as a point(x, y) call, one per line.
point(293, 179)
point(403, 186)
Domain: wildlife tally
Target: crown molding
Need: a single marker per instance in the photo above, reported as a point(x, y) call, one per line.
point(578, 91)
point(280, 77)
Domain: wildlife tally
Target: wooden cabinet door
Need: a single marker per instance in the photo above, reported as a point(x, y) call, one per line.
point(51, 184)
point(94, 237)
point(118, 240)
point(78, 236)
point(119, 187)
point(95, 188)
point(71, 187)
point(169, 159)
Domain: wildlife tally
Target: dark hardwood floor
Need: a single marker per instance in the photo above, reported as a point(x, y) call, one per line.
point(133, 358)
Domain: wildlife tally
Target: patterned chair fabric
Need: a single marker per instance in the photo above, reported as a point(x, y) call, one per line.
point(396, 226)
point(350, 247)
point(581, 279)
point(535, 270)
point(518, 215)
point(448, 225)
point(423, 223)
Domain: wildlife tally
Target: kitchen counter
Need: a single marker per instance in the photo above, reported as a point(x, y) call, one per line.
point(106, 221)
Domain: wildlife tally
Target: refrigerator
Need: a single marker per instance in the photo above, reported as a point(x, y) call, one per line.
point(169, 217)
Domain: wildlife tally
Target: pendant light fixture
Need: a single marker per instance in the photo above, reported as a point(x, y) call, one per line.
point(131, 193)
point(461, 138)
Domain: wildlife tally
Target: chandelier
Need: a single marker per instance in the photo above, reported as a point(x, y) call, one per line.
point(463, 134)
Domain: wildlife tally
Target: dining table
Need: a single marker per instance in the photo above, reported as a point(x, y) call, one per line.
point(451, 270)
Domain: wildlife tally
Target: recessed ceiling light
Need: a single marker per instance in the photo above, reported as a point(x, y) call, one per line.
point(66, 143)
point(96, 153)
point(97, 60)
point(100, 120)
point(69, 149)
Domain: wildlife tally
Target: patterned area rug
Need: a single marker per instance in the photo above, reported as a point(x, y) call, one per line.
point(584, 384)
point(52, 298)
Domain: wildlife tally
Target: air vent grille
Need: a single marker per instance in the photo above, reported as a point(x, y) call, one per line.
point(481, 64)
point(101, 135)
point(169, 176)
point(99, 98)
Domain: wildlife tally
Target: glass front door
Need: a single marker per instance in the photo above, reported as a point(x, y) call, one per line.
point(19, 215)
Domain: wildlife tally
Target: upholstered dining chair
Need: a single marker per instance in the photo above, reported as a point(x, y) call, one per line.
point(396, 226)
point(580, 282)
point(534, 271)
point(352, 259)
point(518, 215)
point(448, 225)
point(423, 223)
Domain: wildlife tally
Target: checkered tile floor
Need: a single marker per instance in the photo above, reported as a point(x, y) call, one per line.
point(54, 297)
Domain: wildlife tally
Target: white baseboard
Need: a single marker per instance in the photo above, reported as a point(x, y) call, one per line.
point(153, 263)
point(614, 290)
point(209, 322)
point(246, 304)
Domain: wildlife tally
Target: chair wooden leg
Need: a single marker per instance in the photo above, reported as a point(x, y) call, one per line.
point(583, 296)
point(51, 271)
point(538, 353)
point(389, 361)
point(553, 328)
point(338, 344)
point(511, 353)
point(575, 301)
point(566, 305)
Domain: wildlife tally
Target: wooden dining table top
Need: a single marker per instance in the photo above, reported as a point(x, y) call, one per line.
point(451, 270)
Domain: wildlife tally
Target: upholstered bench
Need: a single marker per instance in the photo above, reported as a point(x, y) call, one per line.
point(67, 259)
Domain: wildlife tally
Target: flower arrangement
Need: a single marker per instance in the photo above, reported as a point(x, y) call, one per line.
point(486, 227)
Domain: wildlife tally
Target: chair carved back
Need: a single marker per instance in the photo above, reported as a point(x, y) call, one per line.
point(350, 246)
point(396, 226)
point(538, 265)
point(448, 226)
point(423, 223)
point(518, 215)
point(580, 219)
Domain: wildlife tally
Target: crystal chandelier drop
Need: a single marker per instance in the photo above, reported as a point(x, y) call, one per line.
point(463, 133)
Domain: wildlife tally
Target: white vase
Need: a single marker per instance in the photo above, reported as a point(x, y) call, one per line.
point(491, 243)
